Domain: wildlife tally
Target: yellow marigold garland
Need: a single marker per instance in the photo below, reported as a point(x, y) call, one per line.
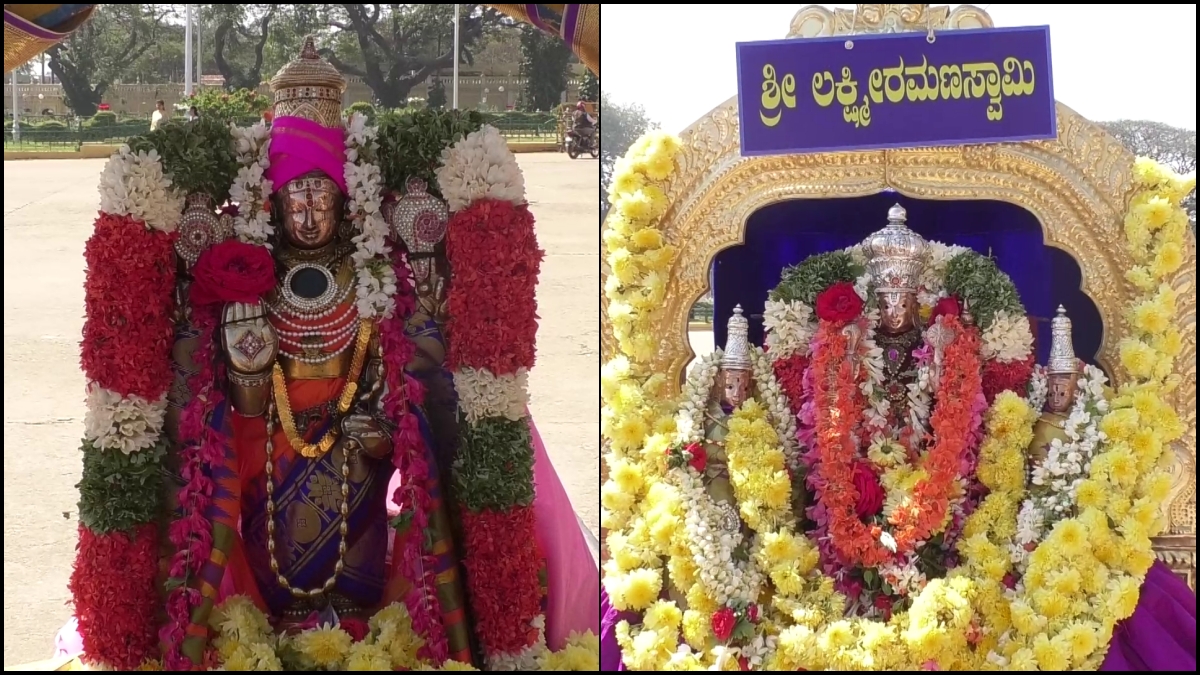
point(637, 421)
point(1080, 581)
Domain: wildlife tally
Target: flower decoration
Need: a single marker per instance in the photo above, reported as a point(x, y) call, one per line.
point(128, 424)
point(483, 394)
point(480, 167)
point(232, 271)
point(839, 303)
point(133, 184)
point(251, 188)
point(372, 258)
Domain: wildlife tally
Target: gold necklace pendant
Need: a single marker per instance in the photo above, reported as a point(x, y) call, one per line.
point(345, 400)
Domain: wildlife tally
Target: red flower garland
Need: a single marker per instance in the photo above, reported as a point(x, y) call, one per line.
point(1013, 376)
point(129, 296)
point(113, 586)
point(496, 259)
point(503, 565)
point(838, 400)
point(789, 373)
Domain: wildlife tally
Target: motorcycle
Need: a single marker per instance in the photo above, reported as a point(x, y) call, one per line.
point(578, 145)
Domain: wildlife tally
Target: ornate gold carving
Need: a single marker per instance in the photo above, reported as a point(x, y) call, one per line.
point(817, 21)
point(1077, 185)
point(1179, 553)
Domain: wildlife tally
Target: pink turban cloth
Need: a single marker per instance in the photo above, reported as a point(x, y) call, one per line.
point(299, 145)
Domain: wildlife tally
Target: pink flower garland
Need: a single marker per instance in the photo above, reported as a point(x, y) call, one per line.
point(203, 450)
point(409, 459)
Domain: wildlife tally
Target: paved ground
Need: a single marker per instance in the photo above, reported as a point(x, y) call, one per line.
point(48, 211)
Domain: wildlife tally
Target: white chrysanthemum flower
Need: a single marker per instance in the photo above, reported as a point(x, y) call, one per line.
point(1008, 338)
point(483, 394)
point(480, 166)
point(133, 184)
point(128, 424)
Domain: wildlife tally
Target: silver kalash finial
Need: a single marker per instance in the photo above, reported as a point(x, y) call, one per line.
point(737, 344)
point(896, 255)
point(1062, 351)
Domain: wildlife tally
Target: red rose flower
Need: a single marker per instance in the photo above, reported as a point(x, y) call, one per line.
point(839, 303)
point(723, 622)
point(870, 494)
point(699, 458)
point(949, 306)
point(357, 628)
point(1009, 581)
point(884, 604)
point(752, 613)
point(232, 271)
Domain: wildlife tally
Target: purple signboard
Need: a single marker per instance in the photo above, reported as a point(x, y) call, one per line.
point(901, 90)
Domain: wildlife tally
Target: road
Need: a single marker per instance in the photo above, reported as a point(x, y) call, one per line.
point(49, 207)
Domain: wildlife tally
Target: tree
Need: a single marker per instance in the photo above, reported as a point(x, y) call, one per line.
point(544, 60)
point(400, 46)
point(590, 89)
point(1171, 146)
point(103, 49)
point(621, 126)
point(241, 29)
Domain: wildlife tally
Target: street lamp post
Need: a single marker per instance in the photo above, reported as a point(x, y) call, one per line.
point(455, 95)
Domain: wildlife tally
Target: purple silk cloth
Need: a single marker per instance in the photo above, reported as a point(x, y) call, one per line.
point(1161, 634)
point(299, 146)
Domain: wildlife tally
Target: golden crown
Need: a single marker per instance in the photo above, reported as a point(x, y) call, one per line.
point(896, 255)
point(309, 87)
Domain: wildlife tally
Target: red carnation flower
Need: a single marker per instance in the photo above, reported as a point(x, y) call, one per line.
point(357, 628)
point(884, 604)
point(723, 621)
point(839, 303)
point(1013, 376)
point(752, 613)
point(949, 306)
point(232, 271)
point(870, 493)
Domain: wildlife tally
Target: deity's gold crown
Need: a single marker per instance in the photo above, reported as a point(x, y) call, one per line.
point(309, 87)
point(896, 255)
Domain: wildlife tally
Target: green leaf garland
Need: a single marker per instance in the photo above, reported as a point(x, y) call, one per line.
point(198, 156)
point(119, 492)
point(494, 469)
point(976, 279)
point(805, 281)
point(411, 143)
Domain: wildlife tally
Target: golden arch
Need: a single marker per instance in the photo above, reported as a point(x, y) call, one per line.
point(1077, 185)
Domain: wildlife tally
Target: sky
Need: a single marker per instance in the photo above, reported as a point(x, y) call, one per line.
point(1110, 61)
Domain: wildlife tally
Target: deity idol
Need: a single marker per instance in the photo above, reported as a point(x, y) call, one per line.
point(896, 257)
point(736, 384)
point(1062, 379)
point(301, 524)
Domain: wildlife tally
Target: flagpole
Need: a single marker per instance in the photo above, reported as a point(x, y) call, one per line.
point(187, 54)
point(455, 95)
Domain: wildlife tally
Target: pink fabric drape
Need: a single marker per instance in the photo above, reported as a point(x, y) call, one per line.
point(299, 146)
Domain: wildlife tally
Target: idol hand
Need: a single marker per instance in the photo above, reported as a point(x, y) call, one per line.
point(368, 433)
point(249, 341)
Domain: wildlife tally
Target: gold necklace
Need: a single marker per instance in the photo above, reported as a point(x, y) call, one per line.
point(345, 401)
point(343, 527)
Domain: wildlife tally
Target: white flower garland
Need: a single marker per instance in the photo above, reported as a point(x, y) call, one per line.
point(695, 397)
point(712, 544)
point(776, 403)
point(483, 394)
point(133, 184)
point(1008, 338)
point(128, 424)
point(528, 659)
point(372, 255)
point(790, 327)
point(932, 287)
point(1039, 388)
point(1056, 479)
point(251, 188)
point(480, 166)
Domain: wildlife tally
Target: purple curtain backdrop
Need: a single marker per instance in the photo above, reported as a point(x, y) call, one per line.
point(1161, 634)
point(786, 233)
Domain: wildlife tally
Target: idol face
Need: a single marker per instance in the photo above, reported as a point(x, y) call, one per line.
point(1061, 394)
point(310, 209)
point(897, 311)
point(737, 387)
